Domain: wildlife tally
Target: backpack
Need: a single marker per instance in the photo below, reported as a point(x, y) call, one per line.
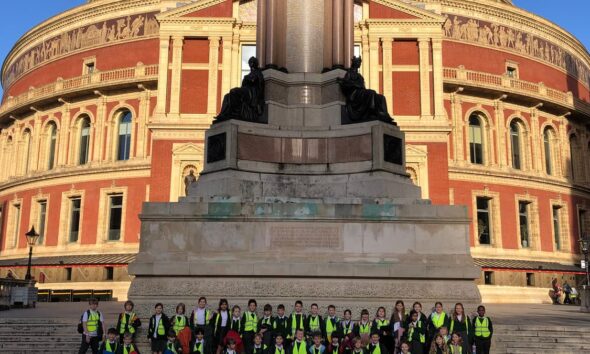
point(99, 324)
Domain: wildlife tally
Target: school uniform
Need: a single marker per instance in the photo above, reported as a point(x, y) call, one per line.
point(157, 332)
point(457, 349)
point(260, 349)
point(332, 349)
point(220, 323)
point(483, 330)
point(299, 347)
point(199, 347)
point(94, 323)
point(363, 330)
point(464, 327)
point(173, 347)
point(346, 327)
point(280, 326)
point(383, 327)
point(435, 322)
point(108, 347)
point(268, 324)
point(331, 326)
point(416, 336)
point(278, 350)
point(178, 323)
point(227, 351)
point(201, 319)
point(317, 350)
point(315, 324)
point(249, 329)
point(235, 332)
point(127, 349)
point(376, 349)
point(128, 322)
point(296, 321)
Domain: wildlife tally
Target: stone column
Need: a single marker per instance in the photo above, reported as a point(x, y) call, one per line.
point(501, 132)
point(176, 77)
point(304, 35)
point(163, 75)
point(235, 59)
point(437, 70)
point(36, 156)
point(373, 64)
point(387, 72)
point(338, 33)
point(535, 141)
point(424, 77)
point(271, 32)
point(213, 73)
point(142, 119)
point(226, 65)
point(64, 132)
point(365, 55)
point(260, 35)
point(457, 120)
point(348, 36)
point(101, 120)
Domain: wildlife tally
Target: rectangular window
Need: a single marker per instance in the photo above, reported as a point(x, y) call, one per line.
point(89, 67)
point(109, 273)
point(16, 220)
point(483, 220)
point(488, 278)
point(582, 222)
point(523, 221)
point(68, 273)
point(115, 216)
point(75, 210)
point(248, 51)
point(556, 227)
point(515, 140)
point(530, 279)
point(512, 72)
point(42, 220)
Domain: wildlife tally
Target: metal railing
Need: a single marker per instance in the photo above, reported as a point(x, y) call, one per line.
point(95, 79)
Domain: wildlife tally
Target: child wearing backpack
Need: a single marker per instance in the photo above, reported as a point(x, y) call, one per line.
point(92, 328)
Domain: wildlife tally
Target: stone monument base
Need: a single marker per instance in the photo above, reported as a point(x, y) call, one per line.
point(352, 255)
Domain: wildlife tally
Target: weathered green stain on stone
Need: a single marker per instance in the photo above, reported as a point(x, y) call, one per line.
point(378, 211)
point(224, 209)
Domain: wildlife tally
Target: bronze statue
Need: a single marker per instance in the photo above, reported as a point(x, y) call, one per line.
point(245, 102)
point(362, 104)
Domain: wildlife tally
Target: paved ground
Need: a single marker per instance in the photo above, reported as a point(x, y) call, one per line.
point(505, 314)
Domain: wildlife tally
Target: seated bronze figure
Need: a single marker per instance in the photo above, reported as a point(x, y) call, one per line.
point(362, 104)
point(245, 102)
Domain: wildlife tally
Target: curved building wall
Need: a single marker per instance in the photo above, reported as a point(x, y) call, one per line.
point(492, 99)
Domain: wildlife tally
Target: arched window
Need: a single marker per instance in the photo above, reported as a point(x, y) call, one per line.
point(475, 140)
point(515, 144)
point(124, 139)
point(547, 146)
point(83, 154)
point(51, 145)
point(27, 141)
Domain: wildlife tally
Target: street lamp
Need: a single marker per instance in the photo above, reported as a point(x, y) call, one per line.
point(32, 237)
point(584, 247)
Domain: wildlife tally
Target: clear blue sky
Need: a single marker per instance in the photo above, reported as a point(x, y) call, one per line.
point(21, 15)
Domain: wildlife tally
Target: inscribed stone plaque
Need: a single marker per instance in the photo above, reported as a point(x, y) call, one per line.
point(298, 236)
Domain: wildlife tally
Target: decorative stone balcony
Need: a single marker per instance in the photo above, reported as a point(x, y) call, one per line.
point(520, 90)
point(77, 86)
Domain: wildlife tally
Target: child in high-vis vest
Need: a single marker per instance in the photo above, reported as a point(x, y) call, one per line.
point(416, 332)
point(296, 320)
point(198, 346)
point(201, 318)
point(172, 345)
point(346, 325)
point(280, 325)
point(179, 321)
point(405, 348)
point(439, 345)
point(266, 326)
point(127, 347)
point(299, 345)
point(363, 328)
point(258, 347)
point(375, 346)
point(331, 323)
point(93, 328)
point(220, 323)
point(230, 347)
point(279, 346)
point(128, 321)
point(317, 347)
point(456, 345)
point(482, 326)
point(334, 346)
point(314, 322)
point(110, 345)
point(383, 326)
point(250, 325)
point(157, 330)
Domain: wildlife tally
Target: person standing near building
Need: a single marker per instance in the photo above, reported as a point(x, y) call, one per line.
point(461, 324)
point(220, 325)
point(158, 328)
point(93, 328)
point(250, 325)
point(314, 323)
point(331, 322)
point(483, 331)
point(201, 318)
point(128, 321)
point(296, 320)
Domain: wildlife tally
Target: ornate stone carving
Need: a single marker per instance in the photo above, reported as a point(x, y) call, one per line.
point(120, 29)
point(245, 102)
point(362, 104)
point(492, 34)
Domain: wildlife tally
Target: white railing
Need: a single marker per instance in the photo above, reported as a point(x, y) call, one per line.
point(504, 83)
point(96, 79)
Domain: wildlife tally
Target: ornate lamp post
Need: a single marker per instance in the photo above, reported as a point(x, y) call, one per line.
point(32, 237)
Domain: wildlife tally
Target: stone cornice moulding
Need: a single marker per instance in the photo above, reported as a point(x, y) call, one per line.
point(411, 10)
point(514, 17)
point(187, 9)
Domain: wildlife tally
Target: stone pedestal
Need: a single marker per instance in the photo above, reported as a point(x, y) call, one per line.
point(304, 207)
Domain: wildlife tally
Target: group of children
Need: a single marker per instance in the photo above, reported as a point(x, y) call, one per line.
point(232, 331)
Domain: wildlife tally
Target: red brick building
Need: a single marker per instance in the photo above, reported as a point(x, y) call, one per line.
point(105, 107)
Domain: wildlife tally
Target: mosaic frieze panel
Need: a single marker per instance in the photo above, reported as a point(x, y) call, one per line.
point(114, 30)
point(491, 34)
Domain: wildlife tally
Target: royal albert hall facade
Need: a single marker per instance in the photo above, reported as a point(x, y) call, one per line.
point(105, 107)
